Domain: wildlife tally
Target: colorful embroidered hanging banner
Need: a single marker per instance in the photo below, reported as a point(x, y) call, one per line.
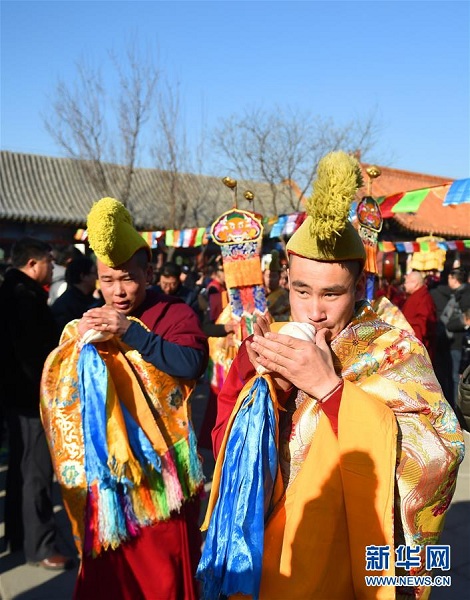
point(239, 233)
point(429, 257)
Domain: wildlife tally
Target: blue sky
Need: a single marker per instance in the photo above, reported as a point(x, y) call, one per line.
point(408, 61)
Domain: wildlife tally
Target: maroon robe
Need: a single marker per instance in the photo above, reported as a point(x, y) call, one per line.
point(420, 312)
point(161, 562)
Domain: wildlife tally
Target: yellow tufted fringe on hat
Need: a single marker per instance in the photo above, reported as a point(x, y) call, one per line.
point(327, 234)
point(111, 234)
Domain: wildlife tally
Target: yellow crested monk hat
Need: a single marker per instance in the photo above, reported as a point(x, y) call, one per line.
point(111, 234)
point(327, 234)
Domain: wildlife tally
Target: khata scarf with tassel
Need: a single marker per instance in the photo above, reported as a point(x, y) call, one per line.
point(124, 459)
point(233, 552)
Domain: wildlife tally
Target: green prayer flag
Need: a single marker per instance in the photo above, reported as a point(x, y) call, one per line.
point(411, 201)
point(199, 236)
point(169, 237)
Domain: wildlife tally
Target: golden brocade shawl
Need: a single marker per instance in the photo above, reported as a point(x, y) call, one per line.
point(150, 465)
point(391, 314)
point(386, 480)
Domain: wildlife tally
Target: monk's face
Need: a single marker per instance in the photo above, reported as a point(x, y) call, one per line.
point(124, 287)
point(323, 293)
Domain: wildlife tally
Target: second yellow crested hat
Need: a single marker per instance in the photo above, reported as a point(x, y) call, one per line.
point(111, 234)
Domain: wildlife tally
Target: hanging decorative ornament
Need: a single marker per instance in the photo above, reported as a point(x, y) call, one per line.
point(370, 224)
point(430, 256)
point(239, 234)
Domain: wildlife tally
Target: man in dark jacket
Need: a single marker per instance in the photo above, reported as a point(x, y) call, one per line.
point(81, 276)
point(170, 283)
point(28, 334)
point(452, 317)
point(442, 361)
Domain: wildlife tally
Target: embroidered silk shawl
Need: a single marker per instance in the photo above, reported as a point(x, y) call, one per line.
point(121, 439)
point(391, 314)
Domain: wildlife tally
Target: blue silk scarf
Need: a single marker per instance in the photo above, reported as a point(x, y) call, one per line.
point(117, 519)
point(93, 384)
point(233, 552)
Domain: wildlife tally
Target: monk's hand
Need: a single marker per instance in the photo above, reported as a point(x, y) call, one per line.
point(261, 324)
point(306, 365)
point(104, 318)
point(260, 329)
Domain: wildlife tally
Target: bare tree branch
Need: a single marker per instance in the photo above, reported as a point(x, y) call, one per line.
point(80, 115)
point(137, 89)
point(76, 122)
point(284, 145)
point(171, 153)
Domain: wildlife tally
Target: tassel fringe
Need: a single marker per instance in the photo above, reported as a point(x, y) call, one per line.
point(118, 511)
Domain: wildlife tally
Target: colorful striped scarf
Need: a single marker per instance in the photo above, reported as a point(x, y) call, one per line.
point(121, 440)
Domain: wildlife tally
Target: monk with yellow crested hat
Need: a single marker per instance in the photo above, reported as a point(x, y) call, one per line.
point(114, 403)
point(337, 452)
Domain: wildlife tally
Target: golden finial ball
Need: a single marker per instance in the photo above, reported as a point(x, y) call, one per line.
point(229, 182)
point(373, 171)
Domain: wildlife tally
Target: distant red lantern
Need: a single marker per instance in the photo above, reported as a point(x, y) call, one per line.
point(389, 268)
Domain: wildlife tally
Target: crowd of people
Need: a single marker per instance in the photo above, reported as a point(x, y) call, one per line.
point(319, 444)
